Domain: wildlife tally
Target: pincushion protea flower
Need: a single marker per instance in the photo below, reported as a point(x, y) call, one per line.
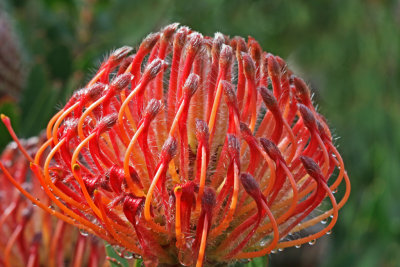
point(29, 236)
point(193, 150)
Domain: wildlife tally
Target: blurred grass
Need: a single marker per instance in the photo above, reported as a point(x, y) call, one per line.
point(349, 51)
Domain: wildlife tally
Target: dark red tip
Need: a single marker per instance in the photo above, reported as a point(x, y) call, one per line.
point(169, 148)
point(301, 88)
point(217, 43)
point(255, 49)
point(250, 184)
point(226, 56)
point(122, 81)
point(229, 92)
point(154, 68)
point(233, 147)
point(180, 37)
point(107, 123)
point(308, 117)
point(271, 149)
point(202, 132)
point(169, 31)
point(152, 109)
point(249, 67)
point(149, 42)
point(268, 97)
point(191, 84)
point(94, 91)
point(121, 53)
point(274, 69)
point(311, 167)
point(209, 199)
point(245, 130)
point(195, 42)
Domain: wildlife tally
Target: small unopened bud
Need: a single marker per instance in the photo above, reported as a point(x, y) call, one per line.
point(169, 31)
point(239, 44)
point(308, 117)
point(217, 43)
point(180, 37)
point(226, 56)
point(149, 42)
point(229, 92)
point(274, 69)
point(303, 92)
point(202, 132)
point(255, 49)
point(107, 123)
point(191, 84)
point(121, 82)
point(169, 149)
point(152, 109)
point(209, 199)
point(268, 97)
point(153, 69)
point(121, 53)
point(271, 149)
point(94, 91)
point(233, 147)
point(245, 130)
point(249, 67)
point(195, 42)
point(311, 167)
point(250, 184)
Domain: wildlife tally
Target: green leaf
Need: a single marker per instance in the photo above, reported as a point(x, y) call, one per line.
point(259, 262)
point(119, 262)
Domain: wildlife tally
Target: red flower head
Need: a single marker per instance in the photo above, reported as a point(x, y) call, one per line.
point(29, 236)
point(193, 150)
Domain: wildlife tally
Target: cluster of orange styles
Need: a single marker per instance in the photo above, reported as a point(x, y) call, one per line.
point(29, 236)
point(192, 150)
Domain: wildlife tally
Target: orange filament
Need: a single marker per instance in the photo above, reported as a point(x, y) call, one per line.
point(272, 245)
point(76, 171)
point(178, 233)
point(202, 249)
point(320, 233)
point(107, 224)
point(51, 123)
point(176, 119)
point(226, 221)
point(120, 122)
point(128, 177)
point(213, 115)
point(325, 167)
point(294, 199)
point(48, 181)
point(271, 181)
point(41, 150)
point(125, 109)
point(149, 197)
point(87, 226)
point(203, 173)
point(86, 113)
point(253, 117)
point(7, 123)
point(60, 119)
point(293, 142)
point(96, 78)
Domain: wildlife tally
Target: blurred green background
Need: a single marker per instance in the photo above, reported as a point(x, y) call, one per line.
point(348, 51)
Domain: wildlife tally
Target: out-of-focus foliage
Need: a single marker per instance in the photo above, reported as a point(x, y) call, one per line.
point(349, 51)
